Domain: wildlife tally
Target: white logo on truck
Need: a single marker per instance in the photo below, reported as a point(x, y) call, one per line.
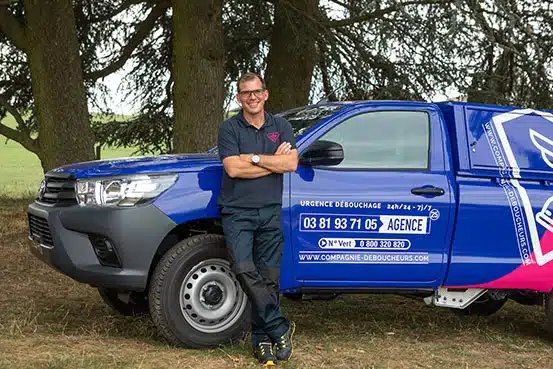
point(544, 145)
point(544, 217)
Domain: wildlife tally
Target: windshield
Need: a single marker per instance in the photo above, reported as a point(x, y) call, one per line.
point(303, 119)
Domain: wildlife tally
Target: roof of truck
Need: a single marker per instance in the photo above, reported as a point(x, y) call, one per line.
point(355, 103)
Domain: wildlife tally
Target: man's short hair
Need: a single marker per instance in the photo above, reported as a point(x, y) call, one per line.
point(249, 76)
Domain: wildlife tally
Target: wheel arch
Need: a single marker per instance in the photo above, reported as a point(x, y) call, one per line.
point(181, 232)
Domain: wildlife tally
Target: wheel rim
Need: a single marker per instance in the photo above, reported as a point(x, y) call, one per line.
point(211, 299)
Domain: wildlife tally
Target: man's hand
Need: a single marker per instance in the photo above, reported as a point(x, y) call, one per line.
point(284, 160)
point(242, 167)
point(283, 149)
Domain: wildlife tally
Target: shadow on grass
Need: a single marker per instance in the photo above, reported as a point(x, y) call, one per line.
point(381, 315)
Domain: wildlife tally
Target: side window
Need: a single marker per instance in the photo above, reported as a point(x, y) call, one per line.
point(384, 140)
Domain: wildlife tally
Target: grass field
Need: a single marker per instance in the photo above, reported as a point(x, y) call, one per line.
point(20, 170)
point(50, 321)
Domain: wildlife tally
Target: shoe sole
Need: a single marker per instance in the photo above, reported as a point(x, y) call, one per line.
point(269, 363)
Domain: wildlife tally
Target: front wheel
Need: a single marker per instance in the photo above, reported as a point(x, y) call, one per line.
point(195, 299)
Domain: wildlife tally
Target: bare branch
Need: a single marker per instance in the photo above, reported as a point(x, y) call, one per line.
point(18, 136)
point(493, 35)
point(11, 27)
point(142, 31)
point(290, 5)
point(168, 88)
point(382, 12)
point(327, 88)
point(21, 135)
point(342, 4)
point(13, 111)
point(118, 10)
point(121, 8)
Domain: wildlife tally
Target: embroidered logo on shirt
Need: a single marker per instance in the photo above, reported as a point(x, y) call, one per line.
point(273, 136)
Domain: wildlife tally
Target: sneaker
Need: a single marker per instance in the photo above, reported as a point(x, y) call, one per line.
point(284, 344)
point(264, 353)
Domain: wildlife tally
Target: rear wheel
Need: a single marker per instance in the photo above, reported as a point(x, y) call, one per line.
point(311, 296)
point(293, 296)
point(125, 303)
point(195, 299)
point(549, 311)
point(529, 299)
point(483, 306)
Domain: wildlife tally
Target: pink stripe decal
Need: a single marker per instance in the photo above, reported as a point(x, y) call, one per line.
point(531, 276)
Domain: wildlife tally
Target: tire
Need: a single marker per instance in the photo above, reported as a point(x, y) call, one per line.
point(548, 302)
point(195, 299)
point(293, 296)
point(126, 304)
point(531, 299)
point(312, 297)
point(483, 306)
point(323, 296)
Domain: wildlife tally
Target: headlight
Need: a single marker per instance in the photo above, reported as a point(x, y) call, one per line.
point(124, 191)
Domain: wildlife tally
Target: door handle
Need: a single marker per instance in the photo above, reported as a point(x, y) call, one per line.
point(435, 191)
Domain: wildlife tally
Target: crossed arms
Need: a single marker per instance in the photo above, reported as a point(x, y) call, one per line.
point(283, 160)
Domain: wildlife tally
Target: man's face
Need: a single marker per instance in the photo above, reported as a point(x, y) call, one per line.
point(252, 96)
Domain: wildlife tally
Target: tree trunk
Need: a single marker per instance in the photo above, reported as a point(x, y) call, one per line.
point(198, 62)
point(57, 81)
point(292, 55)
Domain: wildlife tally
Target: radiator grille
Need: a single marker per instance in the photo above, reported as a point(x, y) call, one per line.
point(57, 191)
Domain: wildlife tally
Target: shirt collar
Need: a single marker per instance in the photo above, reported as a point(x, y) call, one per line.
point(269, 121)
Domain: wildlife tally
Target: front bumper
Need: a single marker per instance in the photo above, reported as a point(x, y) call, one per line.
point(135, 234)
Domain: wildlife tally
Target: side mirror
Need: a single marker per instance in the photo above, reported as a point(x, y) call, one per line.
point(322, 152)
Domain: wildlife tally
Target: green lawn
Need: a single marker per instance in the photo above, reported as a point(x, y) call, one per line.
point(20, 170)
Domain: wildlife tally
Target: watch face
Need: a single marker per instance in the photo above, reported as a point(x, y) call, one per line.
point(255, 159)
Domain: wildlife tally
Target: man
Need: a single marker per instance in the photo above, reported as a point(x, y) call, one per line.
point(256, 148)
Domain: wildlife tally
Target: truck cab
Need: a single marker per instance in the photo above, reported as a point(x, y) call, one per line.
point(447, 201)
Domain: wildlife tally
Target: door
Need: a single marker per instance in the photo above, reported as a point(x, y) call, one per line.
point(380, 217)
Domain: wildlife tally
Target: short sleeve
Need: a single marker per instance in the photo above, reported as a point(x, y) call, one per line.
point(227, 142)
point(287, 132)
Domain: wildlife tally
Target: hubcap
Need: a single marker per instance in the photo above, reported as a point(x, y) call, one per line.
point(212, 294)
point(211, 299)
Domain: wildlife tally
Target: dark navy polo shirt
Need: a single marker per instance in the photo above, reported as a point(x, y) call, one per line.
point(237, 136)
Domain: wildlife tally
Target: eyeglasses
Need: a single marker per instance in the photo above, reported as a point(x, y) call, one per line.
point(258, 93)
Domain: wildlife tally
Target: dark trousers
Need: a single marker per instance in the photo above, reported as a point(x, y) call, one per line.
point(255, 240)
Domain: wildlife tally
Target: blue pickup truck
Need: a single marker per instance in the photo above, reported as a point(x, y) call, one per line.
point(448, 201)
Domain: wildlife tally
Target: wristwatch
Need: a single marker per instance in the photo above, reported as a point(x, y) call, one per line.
point(256, 159)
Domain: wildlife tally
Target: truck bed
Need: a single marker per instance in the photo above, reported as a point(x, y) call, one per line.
point(503, 166)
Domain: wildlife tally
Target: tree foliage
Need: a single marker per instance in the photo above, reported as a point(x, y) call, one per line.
point(492, 51)
point(510, 59)
point(55, 75)
point(389, 50)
